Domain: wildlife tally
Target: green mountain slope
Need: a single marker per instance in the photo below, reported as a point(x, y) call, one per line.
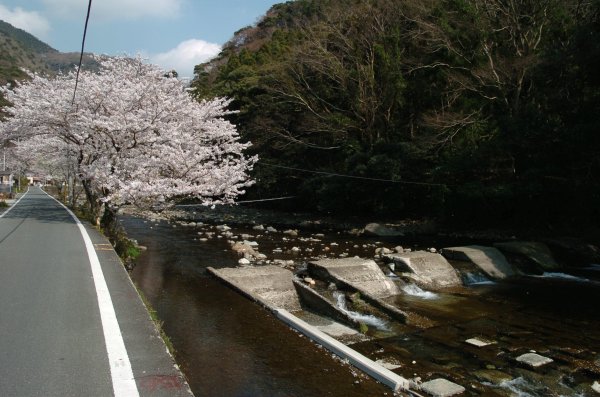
point(464, 110)
point(21, 50)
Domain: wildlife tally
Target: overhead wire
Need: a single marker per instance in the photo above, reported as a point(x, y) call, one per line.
point(351, 176)
point(87, 19)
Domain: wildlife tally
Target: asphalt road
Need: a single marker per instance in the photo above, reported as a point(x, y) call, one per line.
point(52, 341)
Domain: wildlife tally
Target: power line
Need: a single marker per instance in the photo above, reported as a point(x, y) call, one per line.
point(243, 202)
point(351, 176)
point(87, 18)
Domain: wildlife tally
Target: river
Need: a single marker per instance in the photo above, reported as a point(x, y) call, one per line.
point(228, 346)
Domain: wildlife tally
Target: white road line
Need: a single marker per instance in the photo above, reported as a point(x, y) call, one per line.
point(120, 368)
point(12, 206)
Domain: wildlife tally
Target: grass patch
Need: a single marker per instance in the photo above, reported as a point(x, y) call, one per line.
point(157, 322)
point(3, 204)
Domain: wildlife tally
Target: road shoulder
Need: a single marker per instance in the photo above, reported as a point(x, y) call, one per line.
point(154, 368)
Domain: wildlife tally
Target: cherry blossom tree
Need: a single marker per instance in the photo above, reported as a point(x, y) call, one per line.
point(134, 134)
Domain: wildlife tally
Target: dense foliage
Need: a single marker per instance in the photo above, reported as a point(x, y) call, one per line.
point(492, 106)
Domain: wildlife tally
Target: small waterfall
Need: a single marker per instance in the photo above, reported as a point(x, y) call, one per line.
point(415, 290)
point(476, 279)
point(368, 319)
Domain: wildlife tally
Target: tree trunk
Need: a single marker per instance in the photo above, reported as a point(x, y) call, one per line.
point(94, 203)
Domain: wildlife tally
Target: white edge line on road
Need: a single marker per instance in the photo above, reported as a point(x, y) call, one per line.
point(120, 367)
point(12, 206)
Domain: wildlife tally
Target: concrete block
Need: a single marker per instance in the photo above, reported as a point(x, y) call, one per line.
point(489, 259)
point(430, 270)
point(479, 342)
point(442, 388)
point(364, 275)
point(539, 253)
point(272, 286)
point(534, 360)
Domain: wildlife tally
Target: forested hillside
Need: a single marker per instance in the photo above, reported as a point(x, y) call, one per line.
point(480, 111)
point(20, 50)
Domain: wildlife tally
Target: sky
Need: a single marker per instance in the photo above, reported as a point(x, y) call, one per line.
point(175, 34)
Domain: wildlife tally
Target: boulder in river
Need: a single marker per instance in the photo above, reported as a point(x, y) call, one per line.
point(377, 229)
point(539, 253)
point(244, 250)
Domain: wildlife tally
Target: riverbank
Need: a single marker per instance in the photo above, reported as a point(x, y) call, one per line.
point(570, 245)
point(180, 251)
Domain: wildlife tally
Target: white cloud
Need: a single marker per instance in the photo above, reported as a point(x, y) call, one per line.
point(185, 56)
point(29, 21)
point(116, 9)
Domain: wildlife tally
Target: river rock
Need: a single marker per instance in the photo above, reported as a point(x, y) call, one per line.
point(271, 229)
point(364, 275)
point(492, 376)
point(290, 232)
point(535, 251)
point(244, 249)
point(258, 228)
point(244, 262)
point(488, 259)
point(428, 270)
point(376, 229)
point(442, 388)
point(223, 228)
point(596, 387)
point(382, 251)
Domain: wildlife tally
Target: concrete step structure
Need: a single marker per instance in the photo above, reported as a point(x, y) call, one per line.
point(427, 269)
point(489, 259)
point(362, 275)
point(538, 253)
point(271, 286)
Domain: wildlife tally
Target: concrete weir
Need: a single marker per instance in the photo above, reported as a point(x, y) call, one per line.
point(273, 287)
point(427, 269)
point(490, 260)
point(376, 370)
point(363, 275)
point(536, 252)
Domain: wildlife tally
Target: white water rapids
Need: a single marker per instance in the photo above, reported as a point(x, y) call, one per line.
point(415, 290)
point(368, 319)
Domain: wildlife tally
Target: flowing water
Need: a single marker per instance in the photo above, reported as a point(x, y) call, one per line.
point(228, 346)
point(367, 319)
